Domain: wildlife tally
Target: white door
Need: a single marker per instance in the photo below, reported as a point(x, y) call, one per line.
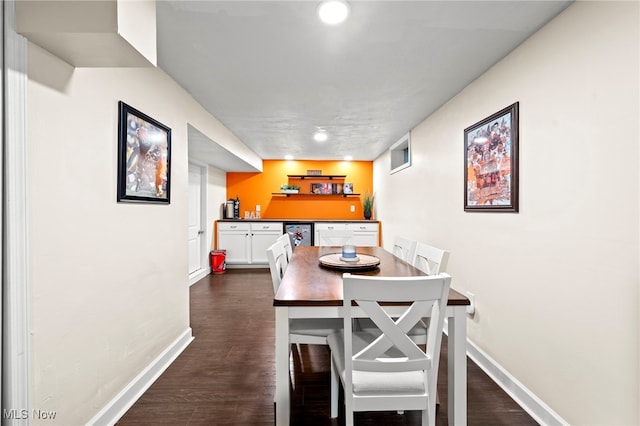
point(196, 231)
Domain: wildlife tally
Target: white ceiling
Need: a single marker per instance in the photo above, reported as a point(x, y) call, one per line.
point(272, 73)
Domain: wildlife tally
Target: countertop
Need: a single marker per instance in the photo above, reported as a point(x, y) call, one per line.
point(301, 220)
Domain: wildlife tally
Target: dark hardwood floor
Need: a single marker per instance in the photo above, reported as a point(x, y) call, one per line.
point(226, 375)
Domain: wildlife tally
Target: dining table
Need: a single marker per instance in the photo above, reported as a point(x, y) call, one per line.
point(313, 289)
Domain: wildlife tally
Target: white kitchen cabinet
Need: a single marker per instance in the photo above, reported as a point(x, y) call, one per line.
point(234, 238)
point(324, 226)
point(246, 243)
point(364, 234)
point(263, 234)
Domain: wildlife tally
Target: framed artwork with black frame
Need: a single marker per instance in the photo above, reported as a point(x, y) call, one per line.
point(491, 163)
point(144, 158)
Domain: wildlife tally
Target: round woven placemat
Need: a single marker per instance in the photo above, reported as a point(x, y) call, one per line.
point(333, 260)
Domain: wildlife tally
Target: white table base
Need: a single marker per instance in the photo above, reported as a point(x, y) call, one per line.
point(457, 359)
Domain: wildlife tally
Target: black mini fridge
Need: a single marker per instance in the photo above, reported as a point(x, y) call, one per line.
point(300, 233)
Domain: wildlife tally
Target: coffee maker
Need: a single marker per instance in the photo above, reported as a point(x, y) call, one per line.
point(231, 209)
point(228, 210)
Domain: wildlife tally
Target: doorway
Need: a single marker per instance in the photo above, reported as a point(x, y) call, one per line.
point(198, 264)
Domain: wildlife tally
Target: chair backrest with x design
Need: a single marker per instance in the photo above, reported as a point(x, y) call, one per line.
point(277, 257)
point(285, 239)
point(430, 260)
point(404, 248)
point(392, 351)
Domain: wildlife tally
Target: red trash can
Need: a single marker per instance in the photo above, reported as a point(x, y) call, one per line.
point(218, 261)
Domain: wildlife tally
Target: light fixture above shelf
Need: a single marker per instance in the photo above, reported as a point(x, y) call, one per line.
point(320, 136)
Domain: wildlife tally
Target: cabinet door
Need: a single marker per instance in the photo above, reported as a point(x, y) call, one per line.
point(322, 226)
point(234, 238)
point(260, 242)
point(236, 244)
point(365, 238)
point(364, 234)
point(263, 234)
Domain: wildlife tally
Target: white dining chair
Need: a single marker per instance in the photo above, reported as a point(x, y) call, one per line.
point(334, 237)
point(285, 239)
point(301, 331)
point(404, 248)
point(277, 257)
point(388, 371)
point(430, 260)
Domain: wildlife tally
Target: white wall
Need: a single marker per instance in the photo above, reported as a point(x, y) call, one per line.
point(556, 285)
point(216, 195)
point(109, 280)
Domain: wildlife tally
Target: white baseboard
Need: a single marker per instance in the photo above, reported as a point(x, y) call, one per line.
point(248, 266)
point(526, 399)
point(197, 276)
point(119, 405)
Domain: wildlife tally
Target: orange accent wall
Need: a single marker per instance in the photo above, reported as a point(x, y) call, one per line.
point(257, 188)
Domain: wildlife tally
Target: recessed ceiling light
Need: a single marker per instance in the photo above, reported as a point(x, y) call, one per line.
point(333, 12)
point(348, 158)
point(288, 157)
point(320, 136)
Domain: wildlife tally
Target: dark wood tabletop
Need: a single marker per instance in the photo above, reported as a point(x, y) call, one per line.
point(307, 283)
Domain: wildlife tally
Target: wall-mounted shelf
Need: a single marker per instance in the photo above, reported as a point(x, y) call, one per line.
point(330, 177)
point(320, 185)
point(310, 194)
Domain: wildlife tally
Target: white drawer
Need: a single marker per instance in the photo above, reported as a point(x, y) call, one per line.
point(363, 227)
point(323, 226)
point(233, 226)
point(266, 226)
